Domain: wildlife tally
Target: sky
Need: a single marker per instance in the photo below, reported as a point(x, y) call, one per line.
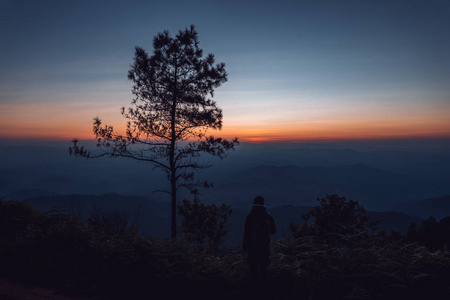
point(297, 70)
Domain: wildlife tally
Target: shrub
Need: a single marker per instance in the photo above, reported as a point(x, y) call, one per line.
point(203, 225)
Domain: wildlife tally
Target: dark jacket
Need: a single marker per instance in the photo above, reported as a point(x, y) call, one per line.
point(259, 226)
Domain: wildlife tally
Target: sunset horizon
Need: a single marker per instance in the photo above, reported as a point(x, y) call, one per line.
point(252, 139)
point(296, 71)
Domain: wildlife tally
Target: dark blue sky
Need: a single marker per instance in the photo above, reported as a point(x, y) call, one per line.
point(297, 69)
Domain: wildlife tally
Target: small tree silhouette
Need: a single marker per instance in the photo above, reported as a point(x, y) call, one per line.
point(333, 217)
point(170, 114)
point(204, 224)
point(431, 233)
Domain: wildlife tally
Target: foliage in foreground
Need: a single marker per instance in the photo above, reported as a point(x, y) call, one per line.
point(60, 249)
point(203, 225)
point(105, 256)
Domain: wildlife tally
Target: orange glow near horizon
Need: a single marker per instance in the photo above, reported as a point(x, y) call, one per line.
point(55, 121)
point(66, 121)
point(323, 132)
point(341, 130)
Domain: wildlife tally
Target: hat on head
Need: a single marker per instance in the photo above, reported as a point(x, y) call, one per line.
point(258, 200)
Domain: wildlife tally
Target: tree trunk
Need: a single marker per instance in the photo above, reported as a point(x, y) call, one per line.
point(173, 140)
point(173, 177)
point(173, 183)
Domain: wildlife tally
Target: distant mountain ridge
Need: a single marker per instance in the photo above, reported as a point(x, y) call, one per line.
point(154, 217)
point(29, 193)
point(438, 207)
point(422, 174)
point(290, 184)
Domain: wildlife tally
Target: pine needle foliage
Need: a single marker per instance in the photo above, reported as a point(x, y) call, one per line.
point(170, 114)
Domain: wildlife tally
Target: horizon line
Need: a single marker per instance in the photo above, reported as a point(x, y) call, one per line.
point(258, 140)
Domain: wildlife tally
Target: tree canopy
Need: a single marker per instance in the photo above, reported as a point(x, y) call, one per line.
point(170, 114)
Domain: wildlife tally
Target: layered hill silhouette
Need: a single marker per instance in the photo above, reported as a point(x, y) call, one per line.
point(438, 207)
point(281, 185)
point(154, 217)
point(284, 174)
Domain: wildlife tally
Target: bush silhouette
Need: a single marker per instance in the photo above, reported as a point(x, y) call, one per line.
point(431, 233)
point(335, 218)
point(203, 224)
point(59, 249)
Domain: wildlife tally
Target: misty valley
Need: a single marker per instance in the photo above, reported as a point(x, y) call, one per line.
point(379, 178)
point(105, 221)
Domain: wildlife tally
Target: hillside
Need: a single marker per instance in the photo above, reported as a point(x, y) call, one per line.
point(376, 189)
point(296, 174)
point(154, 217)
point(438, 207)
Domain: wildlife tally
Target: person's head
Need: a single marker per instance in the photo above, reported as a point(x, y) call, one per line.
point(258, 200)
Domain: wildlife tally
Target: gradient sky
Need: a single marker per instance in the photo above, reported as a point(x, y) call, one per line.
point(297, 69)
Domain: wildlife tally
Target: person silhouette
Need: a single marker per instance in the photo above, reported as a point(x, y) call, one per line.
point(258, 228)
